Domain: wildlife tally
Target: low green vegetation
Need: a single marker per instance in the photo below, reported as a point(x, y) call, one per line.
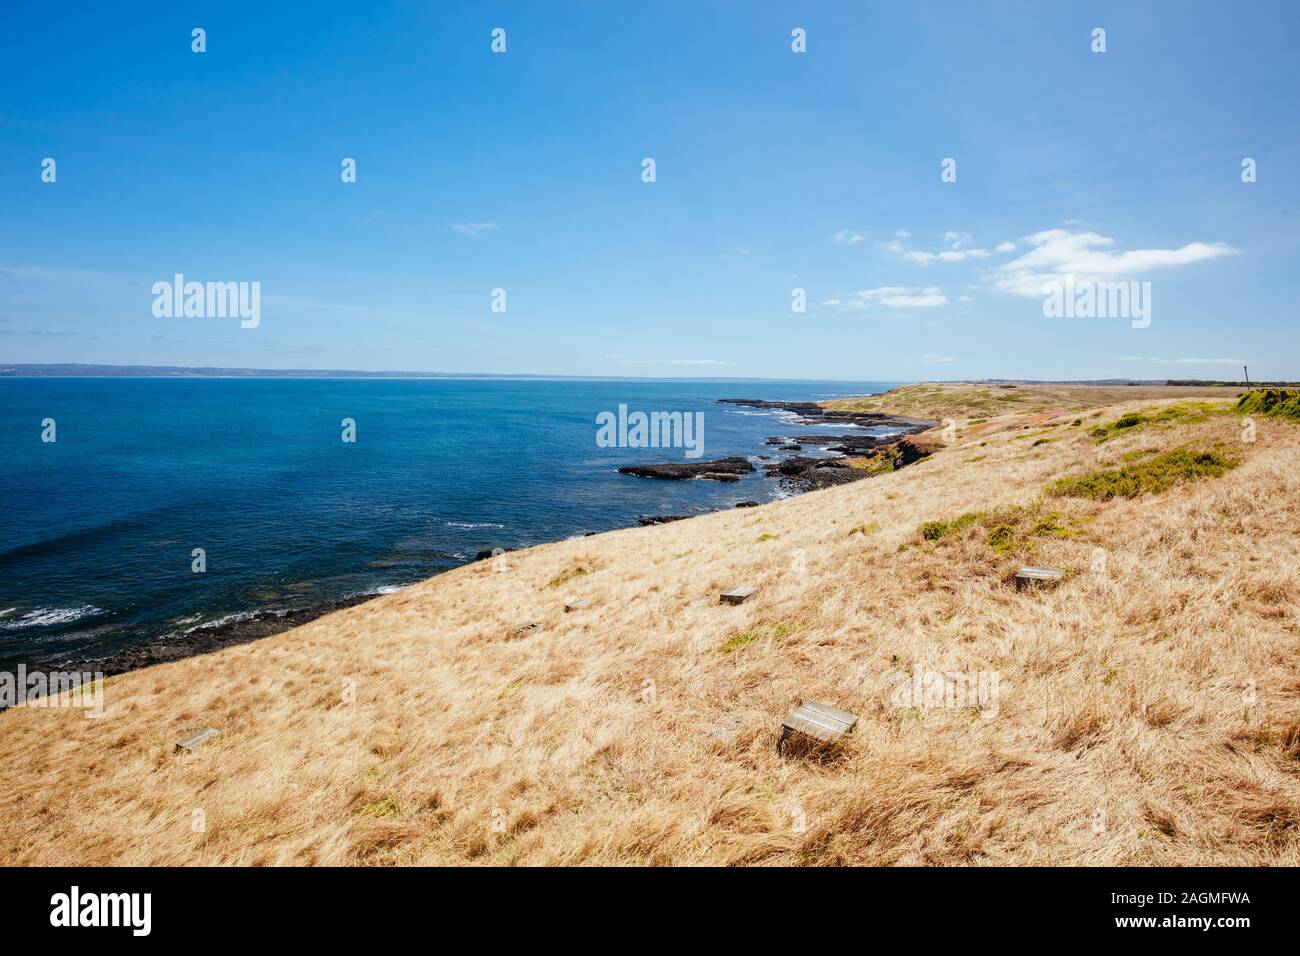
point(1002, 539)
point(1151, 475)
point(767, 536)
point(564, 577)
point(934, 530)
point(776, 632)
point(743, 639)
point(1049, 526)
point(1183, 413)
point(1277, 402)
point(1009, 530)
point(380, 808)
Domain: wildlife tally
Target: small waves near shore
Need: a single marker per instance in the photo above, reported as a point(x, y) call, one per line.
point(174, 516)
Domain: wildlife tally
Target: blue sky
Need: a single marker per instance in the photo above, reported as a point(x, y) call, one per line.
point(775, 170)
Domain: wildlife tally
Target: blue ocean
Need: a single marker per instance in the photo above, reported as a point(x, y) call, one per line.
point(99, 526)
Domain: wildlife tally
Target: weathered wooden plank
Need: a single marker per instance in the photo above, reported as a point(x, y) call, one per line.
point(525, 628)
point(737, 595)
point(194, 741)
point(819, 721)
point(1035, 577)
point(571, 606)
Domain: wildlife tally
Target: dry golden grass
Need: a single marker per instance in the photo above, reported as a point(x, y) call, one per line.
point(624, 733)
point(957, 400)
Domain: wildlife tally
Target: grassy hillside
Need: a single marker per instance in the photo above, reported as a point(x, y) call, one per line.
point(1148, 708)
point(952, 400)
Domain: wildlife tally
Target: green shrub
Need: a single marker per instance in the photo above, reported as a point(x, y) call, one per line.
point(1278, 402)
point(1002, 539)
point(1153, 475)
point(934, 530)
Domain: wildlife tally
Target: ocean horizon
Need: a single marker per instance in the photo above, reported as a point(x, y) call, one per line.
point(100, 537)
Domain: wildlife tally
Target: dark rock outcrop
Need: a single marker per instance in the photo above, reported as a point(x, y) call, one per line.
point(647, 520)
point(808, 412)
point(211, 637)
point(724, 469)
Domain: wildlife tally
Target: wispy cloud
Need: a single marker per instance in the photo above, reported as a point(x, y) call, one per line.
point(955, 247)
point(476, 230)
point(848, 237)
point(933, 359)
point(1057, 253)
point(900, 297)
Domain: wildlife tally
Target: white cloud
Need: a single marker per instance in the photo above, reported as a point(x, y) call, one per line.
point(933, 359)
point(475, 229)
point(830, 302)
point(1058, 253)
point(953, 251)
point(849, 237)
point(965, 298)
point(901, 297)
point(902, 234)
point(1005, 247)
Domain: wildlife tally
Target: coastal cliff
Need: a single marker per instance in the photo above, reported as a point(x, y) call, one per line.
point(591, 701)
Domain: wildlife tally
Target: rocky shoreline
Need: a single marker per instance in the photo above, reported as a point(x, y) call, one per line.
point(843, 463)
point(849, 457)
point(210, 637)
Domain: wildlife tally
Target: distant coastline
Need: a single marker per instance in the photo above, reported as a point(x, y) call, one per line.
point(80, 370)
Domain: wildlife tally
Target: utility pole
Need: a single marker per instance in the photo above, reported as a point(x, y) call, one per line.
point(1247, 371)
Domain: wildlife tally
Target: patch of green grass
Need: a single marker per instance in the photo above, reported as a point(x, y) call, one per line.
point(778, 631)
point(743, 639)
point(863, 529)
point(1150, 476)
point(1277, 402)
point(1183, 412)
point(380, 808)
point(765, 536)
point(1135, 455)
point(1041, 441)
point(1002, 539)
point(934, 530)
point(1049, 526)
point(564, 577)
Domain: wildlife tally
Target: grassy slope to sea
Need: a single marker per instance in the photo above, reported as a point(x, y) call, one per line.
point(1148, 713)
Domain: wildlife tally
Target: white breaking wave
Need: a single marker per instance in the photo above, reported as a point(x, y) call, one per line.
point(473, 524)
point(45, 616)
